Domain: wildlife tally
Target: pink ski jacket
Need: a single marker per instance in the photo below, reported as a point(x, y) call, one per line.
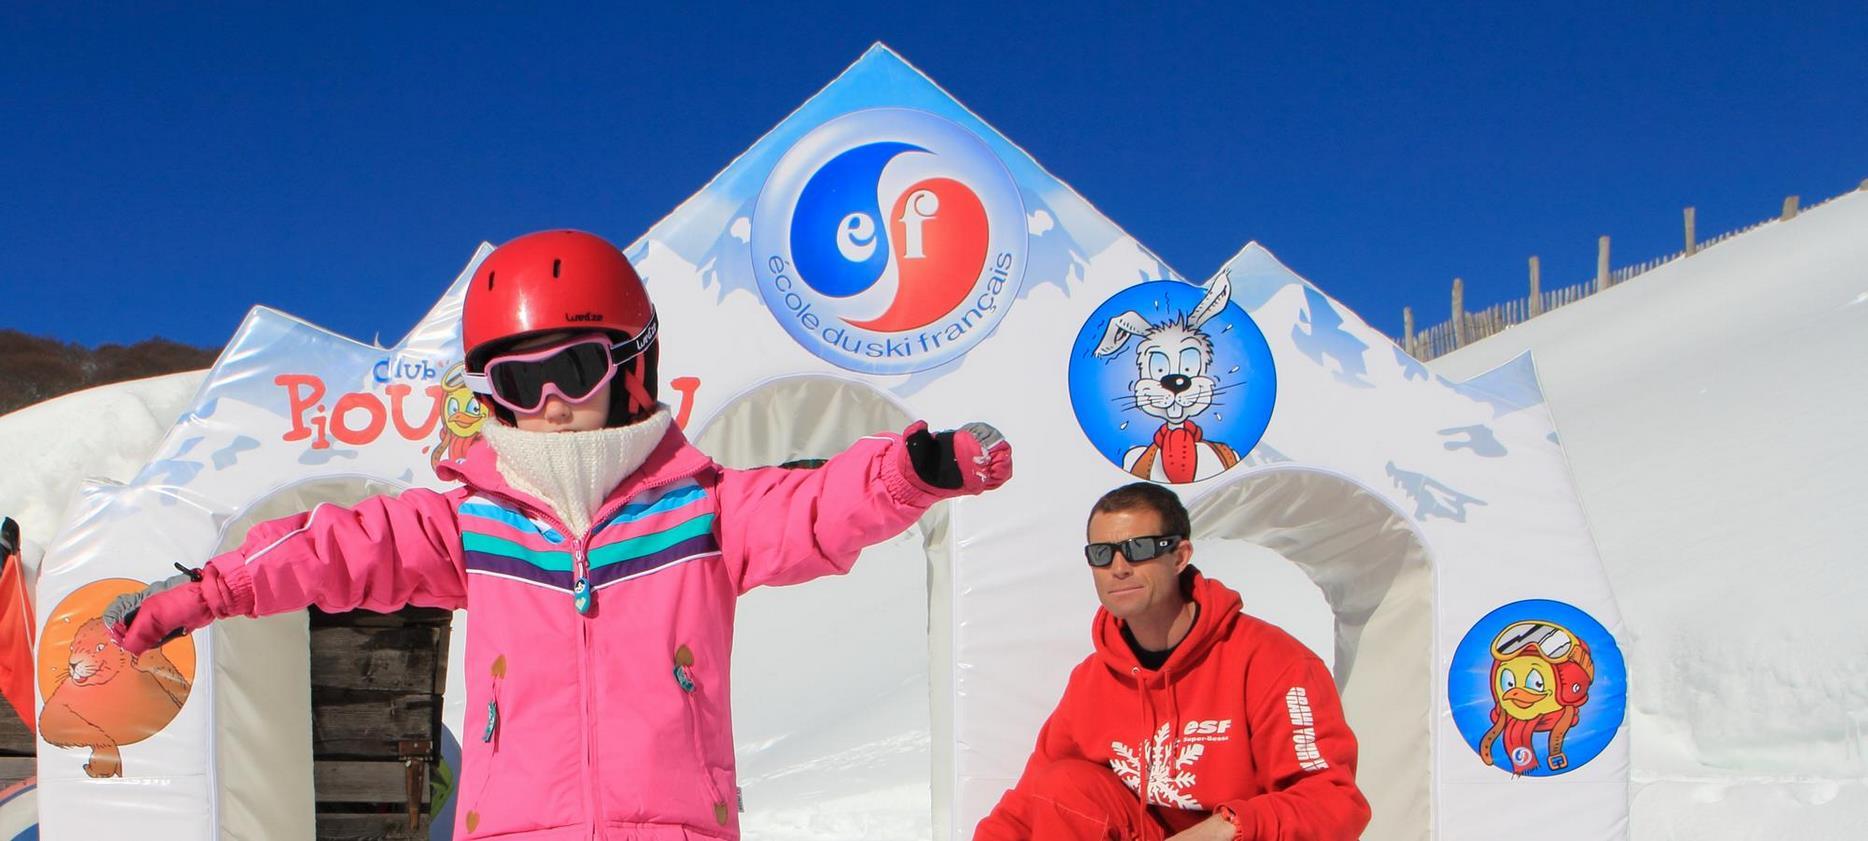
point(613, 722)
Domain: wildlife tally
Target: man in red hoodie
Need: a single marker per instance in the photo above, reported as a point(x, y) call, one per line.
point(1191, 720)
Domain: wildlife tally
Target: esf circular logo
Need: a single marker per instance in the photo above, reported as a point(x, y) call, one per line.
point(1538, 688)
point(1172, 382)
point(889, 240)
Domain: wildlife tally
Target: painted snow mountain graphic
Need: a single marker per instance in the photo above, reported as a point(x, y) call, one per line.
point(1320, 333)
point(1479, 439)
point(1432, 498)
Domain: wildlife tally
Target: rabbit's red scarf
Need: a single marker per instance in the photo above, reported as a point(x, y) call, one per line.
point(1180, 451)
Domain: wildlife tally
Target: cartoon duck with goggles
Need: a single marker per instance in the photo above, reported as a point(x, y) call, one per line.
point(1541, 674)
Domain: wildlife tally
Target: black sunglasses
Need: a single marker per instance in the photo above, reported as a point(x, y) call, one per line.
point(1134, 548)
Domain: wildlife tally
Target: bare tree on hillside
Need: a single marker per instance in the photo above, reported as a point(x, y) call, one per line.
point(34, 368)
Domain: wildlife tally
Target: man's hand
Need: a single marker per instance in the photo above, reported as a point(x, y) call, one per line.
point(972, 459)
point(1215, 828)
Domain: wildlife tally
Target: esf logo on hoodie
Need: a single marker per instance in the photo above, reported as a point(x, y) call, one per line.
point(889, 240)
point(1207, 727)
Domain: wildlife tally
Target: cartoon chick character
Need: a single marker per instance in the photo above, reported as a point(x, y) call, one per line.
point(461, 418)
point(1540, 681)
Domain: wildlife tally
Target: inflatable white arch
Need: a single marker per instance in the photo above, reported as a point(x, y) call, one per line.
point(883, 254)
point(289, 417)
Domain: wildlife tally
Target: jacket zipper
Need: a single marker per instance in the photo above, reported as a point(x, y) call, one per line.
point(583, 602)
point(583, 593)
point(584, 679)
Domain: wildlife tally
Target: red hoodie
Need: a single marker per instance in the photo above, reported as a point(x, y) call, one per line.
point(1241, 715)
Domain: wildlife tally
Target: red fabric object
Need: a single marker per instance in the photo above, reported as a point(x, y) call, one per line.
point(17, 627)
point(633, 382)
point(457, 448)
point(1241, 715)
point(1180, 451)
point(1518, 733)
point(1072, 800)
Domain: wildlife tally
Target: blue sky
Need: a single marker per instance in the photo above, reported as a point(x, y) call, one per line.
point(164, 169)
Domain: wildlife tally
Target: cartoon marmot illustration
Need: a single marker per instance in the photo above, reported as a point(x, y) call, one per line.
point(109, 699)
point(1540, 681)
point(1173, 384)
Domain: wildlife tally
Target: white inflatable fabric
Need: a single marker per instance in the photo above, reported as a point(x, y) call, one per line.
point(1434, 516)
point(883, 254)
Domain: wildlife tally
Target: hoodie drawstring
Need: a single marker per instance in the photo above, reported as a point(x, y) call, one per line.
point(1174, 704)
point(1170, 747)
point(1144, 761)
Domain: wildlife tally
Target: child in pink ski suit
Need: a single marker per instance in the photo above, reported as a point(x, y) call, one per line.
point(599, 553)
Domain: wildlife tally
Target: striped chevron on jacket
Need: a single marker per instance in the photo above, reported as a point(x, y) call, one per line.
point(655, 530)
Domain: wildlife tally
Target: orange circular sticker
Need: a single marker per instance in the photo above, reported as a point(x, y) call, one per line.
point(97, 695)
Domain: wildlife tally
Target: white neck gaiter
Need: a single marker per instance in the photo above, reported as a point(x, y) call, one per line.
point(574, 471)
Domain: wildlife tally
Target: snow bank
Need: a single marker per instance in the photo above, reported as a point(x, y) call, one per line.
point(1711, 410)
point(109, 432)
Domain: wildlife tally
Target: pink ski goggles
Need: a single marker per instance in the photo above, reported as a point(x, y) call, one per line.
point(573, 370)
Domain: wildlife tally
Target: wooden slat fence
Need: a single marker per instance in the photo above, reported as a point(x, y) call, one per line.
point(1468, 326)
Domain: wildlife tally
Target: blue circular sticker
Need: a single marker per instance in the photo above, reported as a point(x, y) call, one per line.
point(1172, 382)
point(1538, 688)
point(889, 240)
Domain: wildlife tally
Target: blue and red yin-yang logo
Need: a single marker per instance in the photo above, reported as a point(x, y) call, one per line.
point(889, 240)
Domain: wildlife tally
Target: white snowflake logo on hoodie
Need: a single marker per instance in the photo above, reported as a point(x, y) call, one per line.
point(1169, 772)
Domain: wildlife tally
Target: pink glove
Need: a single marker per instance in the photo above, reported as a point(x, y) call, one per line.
point(972, 459)
point(160, 612)
point(984, 456)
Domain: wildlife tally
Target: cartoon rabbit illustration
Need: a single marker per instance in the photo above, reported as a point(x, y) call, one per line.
point(1172, 361)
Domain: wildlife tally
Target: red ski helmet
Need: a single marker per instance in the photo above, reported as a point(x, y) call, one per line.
point(562, 281)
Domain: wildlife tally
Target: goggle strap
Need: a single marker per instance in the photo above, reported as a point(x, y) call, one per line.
point(477, 383)
point(639, 343)
point(639, 399)
point(632, 367)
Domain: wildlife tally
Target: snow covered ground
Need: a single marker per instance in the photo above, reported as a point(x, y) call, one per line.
point(830, 703)
point(1712, 413)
